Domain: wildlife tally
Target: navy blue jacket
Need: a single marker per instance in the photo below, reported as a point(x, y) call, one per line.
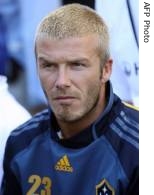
point(100, 160)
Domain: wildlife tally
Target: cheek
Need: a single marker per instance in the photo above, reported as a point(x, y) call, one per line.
point(85, 78)
point(90, 86)
point(46, 82)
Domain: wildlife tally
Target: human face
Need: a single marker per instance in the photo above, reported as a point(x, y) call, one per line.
point(69, 71)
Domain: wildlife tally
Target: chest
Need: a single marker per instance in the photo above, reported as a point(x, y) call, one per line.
point(48, 168)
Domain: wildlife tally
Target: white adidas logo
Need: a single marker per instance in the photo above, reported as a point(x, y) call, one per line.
point(63, 164)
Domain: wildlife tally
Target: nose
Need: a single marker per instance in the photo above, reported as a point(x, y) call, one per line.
point(62, 80)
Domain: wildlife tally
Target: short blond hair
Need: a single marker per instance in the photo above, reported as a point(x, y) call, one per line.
point(75, 20)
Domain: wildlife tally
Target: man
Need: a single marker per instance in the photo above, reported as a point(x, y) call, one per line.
point(87, 141)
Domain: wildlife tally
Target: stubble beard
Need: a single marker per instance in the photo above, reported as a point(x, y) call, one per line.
point(67, 115)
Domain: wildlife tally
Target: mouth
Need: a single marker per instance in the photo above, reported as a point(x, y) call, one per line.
point(64, 99)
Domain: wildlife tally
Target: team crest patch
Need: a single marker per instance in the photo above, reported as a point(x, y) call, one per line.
point(104, 188)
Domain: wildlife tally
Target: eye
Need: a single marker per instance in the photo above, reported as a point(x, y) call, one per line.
point(48, 65)
point(77, 65)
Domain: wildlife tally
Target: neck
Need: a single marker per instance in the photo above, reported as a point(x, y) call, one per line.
point(70, 129)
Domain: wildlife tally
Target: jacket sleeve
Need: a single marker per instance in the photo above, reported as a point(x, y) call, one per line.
point(133, 188)
point(10, 184)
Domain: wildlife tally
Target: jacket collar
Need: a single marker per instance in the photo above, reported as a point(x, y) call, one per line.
point(92, 132)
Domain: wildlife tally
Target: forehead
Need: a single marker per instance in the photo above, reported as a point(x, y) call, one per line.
point(71, 47)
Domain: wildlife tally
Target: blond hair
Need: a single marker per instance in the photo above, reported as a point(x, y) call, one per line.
point(75, 20)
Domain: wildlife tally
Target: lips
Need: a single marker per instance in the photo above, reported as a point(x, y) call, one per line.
point(65, 100)
point(64, 97)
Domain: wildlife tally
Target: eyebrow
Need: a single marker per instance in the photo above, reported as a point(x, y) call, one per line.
point(82, 59)
point(41, 59)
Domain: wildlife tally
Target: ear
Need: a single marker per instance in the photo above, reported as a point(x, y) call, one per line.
point(106, 71)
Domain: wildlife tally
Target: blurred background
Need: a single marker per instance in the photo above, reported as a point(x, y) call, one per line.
point(18, 23)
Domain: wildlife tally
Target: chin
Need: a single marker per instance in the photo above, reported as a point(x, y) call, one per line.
point(68, 117)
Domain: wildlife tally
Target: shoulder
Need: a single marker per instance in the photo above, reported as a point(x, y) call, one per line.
point(126, 124)
point(33, 124)
point(131, 111)
point(123, 135)
point(22, 137)
point(127, 121)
